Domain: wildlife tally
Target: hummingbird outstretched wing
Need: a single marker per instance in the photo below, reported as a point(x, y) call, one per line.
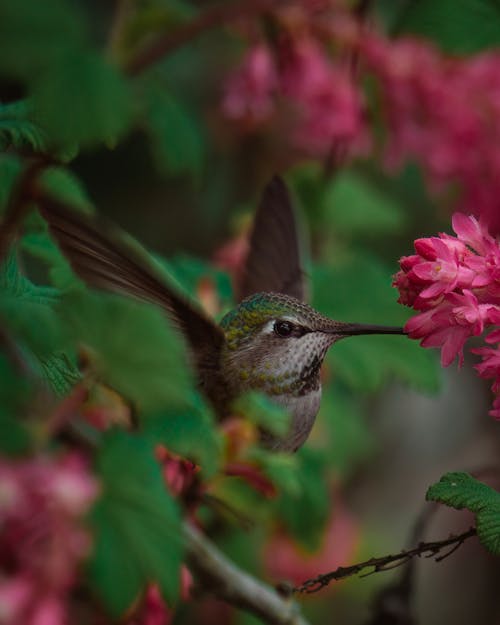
point(104, 257)
point(273, 263)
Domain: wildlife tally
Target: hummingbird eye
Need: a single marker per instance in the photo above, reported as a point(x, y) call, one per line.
point(283, 328)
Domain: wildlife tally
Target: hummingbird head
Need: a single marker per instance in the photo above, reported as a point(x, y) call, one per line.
point(277, 343)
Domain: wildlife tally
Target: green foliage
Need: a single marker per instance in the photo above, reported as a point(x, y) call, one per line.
point(258, 409)
point(93, 90)
point(18, 130)
point(457, 26)
point(461, 490)
point(189, 431)
point(25, 308)
point(189, 271)
point(62, 184)
point(136, 524)
point(174, 133)
point(28, 312)
point(10, 168)
point(281, 468)
point(61, 372)
point(35, 34)
point(359, 290)
point(15, 392)
point(131, 347)
point(352, 205)
point(306, 509)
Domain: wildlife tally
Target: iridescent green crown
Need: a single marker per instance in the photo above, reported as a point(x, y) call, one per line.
point(254, 311)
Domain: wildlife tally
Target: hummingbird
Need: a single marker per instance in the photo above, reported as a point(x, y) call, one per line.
point(273, 341)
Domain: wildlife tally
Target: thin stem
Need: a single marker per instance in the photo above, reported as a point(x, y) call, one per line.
point(386, 563)
point(19, 204)
point(225, 580)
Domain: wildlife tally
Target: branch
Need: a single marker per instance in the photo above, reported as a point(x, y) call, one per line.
point(19, 203)
point(386, 563)
point(211, 18)
point(228, 582)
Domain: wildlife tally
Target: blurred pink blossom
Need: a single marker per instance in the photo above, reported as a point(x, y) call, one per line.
point(444, 112)
point(326, 104)
point(42, 501)
point(285, 559)
point(249, 91)
point(152, 610)
point(179, 474)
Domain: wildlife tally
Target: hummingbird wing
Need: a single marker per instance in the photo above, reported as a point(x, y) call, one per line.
point(273, 263)
point(106, 258)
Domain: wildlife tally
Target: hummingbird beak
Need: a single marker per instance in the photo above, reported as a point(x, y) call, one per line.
point(354, 329)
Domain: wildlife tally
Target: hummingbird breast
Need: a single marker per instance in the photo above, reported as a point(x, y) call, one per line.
point(303, 410)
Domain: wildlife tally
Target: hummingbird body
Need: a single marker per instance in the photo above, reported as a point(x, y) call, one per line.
point(271, 342)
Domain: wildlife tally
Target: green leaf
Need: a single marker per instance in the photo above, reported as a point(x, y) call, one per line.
point(136, 524)
point(82, 99)
point(174, 132)
point(18, 130)
point(189, 270)
point(132, 348)
point(311, 495)
point(38, 243)
point(15, 391)
point(457, 26)
point(281, 468)
point(353, 206)
point(189, 432)
point(359, 290)
point(461, 490)
point(10, 168)
point(61, 372)
point(65, 186)
point(261, 411)
point(28, 311)
point(25, 308)
point(35, 34)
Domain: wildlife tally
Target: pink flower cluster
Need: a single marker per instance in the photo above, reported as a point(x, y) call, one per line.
point(442, 111)
point(42, 502)
point(445, 113)
point(455, 284)
point(325, 103)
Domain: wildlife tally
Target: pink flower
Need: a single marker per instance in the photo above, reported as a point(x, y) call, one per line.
point(449, 324)
point(14, 597)
point(444, 112)
point(473, 233)
point(327, 103)
point(153, 610)
point(250, 90)
point(179, 474)
point(496, 408)
point(446, 264)
point(490, 367)
point(42, 501)
point(445, 271)
point(455, 282)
